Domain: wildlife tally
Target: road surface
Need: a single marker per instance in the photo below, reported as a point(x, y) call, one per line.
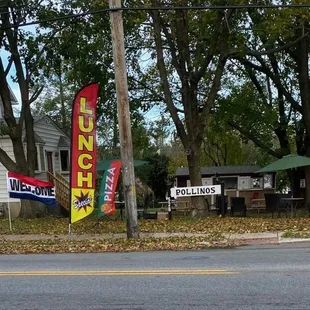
point(252, 277)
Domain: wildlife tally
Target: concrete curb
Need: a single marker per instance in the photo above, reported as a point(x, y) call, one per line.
point(247, 238)
point(294, 240)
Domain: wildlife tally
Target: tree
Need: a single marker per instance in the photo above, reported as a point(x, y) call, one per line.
point(275, 60)
point(56, 101)
point(224, 146)
point(191, 53)
point(159, 131)
point(24, 62)
point(81, 53)
point(155, 174)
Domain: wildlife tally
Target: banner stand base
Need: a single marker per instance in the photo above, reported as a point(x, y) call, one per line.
point(70, 231)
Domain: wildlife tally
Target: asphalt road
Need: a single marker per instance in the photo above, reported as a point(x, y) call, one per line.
point(252, 277)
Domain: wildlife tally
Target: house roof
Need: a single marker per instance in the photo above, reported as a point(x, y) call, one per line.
point(37, 118)
point(37, 139)
point(63, 142)
point(223, 170)
point(13, 98)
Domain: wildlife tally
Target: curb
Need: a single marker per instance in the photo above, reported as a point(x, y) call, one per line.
point(294, 240)
point(252, 241)
point(244, 239)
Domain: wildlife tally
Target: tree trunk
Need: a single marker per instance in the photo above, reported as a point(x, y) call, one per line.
point(303, 78)
point(63, 114)
point(198, 202)
point(307, 178)
point(28, 209)
point(22, 165)
point(115, 149)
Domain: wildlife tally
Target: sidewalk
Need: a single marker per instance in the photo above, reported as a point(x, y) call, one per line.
point(248, 238)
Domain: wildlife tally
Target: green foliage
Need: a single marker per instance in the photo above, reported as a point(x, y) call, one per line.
point(155, 174)
point(144, 194)
point(224, 146)
point(269, 64)
point(141, 140)
point(177, 157)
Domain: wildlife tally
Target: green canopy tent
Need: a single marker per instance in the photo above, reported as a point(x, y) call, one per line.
point(287, 162)
point(103, 165)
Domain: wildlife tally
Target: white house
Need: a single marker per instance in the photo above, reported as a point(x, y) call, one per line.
point(53, 154)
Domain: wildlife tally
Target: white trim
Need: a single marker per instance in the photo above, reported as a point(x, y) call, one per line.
point(40, 170)
point(38, 159)
point(247, 178)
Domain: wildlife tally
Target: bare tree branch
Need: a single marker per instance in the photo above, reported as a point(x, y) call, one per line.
point(255, 139)
point(258, 85)
point(6, 99)
point(8, 67)
point(276, 80)
point(209, 153)
point(269, 90)
point(277, 49)
point(7, 162)
point(36, 94)
point(164, 77)
point(200, 72)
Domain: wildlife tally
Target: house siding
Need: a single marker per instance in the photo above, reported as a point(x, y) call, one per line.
point(6, 145)
point(50, 134)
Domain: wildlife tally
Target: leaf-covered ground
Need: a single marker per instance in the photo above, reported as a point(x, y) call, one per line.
point(53, 233)
point(115, 245)
point(52, 226)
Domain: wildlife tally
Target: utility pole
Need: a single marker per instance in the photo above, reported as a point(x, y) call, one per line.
point(128, 174)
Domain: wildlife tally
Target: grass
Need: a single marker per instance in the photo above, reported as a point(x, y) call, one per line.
point(213, 229)
point(185, 224)
point(296, 234)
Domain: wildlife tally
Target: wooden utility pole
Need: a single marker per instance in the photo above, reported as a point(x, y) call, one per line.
point(128, 174)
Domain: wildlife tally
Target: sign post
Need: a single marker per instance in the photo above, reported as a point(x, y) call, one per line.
point(222, 199)
point(169, 209)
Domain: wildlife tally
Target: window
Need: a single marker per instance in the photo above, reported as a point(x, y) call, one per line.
point(40, 162)
point(64, 160)
point(268, 181)
point(229, 183)
point(257, 182)
point(41, 154)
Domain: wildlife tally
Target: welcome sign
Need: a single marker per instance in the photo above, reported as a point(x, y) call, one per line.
point(83, 153)
point(23, 187)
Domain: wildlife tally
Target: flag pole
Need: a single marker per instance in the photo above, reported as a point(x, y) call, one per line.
point(9, 206)
point(9, 212)
point(70, 211)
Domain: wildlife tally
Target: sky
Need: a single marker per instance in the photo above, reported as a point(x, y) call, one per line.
point(14, 86)
point(4, 56)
